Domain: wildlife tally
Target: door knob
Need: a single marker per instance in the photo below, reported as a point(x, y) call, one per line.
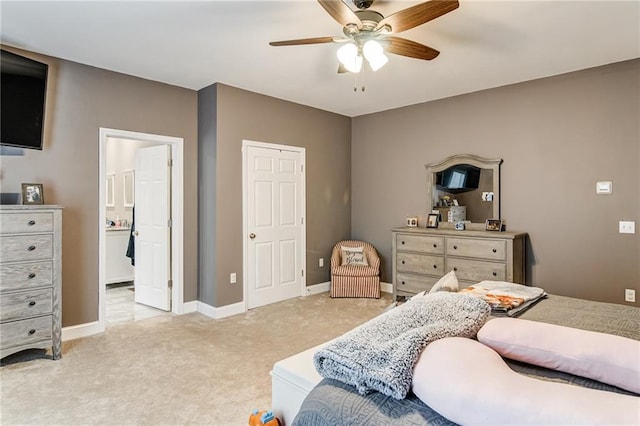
point(252, 235)
point(135, 233)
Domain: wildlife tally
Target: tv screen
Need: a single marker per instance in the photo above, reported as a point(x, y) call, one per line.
point(23, 87)
point(459, 178)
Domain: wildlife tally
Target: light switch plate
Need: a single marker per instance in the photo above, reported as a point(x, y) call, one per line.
point(604, 187)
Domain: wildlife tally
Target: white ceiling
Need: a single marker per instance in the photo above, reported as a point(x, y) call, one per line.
point(483, 44)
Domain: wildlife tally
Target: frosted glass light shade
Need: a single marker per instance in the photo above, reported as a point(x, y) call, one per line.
point(348, 56)
point(374, 53)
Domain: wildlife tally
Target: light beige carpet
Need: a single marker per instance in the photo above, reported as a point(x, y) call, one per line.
point(174, 370)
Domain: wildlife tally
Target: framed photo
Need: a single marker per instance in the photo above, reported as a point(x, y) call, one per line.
point(32, 193)
point(432, 220)
point(494, 225)
point(412, 222)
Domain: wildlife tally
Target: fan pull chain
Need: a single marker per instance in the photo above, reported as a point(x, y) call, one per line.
point(355, 80)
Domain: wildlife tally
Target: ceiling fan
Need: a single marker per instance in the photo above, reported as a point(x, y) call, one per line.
point(368, 33)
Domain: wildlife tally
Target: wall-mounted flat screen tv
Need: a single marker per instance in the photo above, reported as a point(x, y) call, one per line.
point(23, 88)
point(459, 178)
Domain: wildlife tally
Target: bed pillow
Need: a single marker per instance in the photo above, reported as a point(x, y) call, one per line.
point(610, 359)
point(354, 256)
point(448, 282)
point(469, 383)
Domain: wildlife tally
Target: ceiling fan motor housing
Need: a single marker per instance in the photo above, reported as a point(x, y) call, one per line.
point(363, 4)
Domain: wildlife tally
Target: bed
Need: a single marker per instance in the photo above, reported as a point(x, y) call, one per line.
point(319, 402)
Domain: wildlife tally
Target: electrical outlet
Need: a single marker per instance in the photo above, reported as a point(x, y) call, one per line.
point(629, 295)
point(321, 262)
point(232, 278)
point(627, 227)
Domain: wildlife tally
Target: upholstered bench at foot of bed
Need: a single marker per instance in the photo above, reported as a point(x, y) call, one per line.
point(291, 381)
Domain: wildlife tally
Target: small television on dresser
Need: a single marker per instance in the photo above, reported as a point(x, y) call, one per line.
point(23, 88)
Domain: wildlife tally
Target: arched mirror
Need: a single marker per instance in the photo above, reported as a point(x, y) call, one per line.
point(465, 187)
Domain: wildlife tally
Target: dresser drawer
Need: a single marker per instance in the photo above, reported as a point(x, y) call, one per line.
point(480, 248)
point(29, 222)
point(23, 276)
point(25, 332)
point(422, 243)
point(26, 247)
point(477, 270)
point(25, 304)
point(412, 284)
point(420, 264)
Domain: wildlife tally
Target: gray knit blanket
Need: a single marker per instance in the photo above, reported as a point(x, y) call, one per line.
point(380, 354)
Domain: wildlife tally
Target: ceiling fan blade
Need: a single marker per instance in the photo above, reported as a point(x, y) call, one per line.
point(341, 12)
point(314, 40)
point(417, 15)
point(412, 49)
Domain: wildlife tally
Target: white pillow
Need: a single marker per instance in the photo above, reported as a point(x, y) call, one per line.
point(354, 256)
point(610, 359)
point(448, 282)
point(469, 384)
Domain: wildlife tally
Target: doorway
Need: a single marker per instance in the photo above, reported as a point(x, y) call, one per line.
point(117, 190)
point(274, 249)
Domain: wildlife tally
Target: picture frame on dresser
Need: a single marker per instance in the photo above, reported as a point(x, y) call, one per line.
point(32, 193)
point(493, 225)
point(432, 220)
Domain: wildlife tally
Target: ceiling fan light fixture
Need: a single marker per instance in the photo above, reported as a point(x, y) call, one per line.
point(349, 57)
point(374, 53)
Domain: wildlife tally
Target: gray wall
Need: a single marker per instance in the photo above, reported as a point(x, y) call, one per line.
point(244, 115)
point(558, 136)
point(80, 100)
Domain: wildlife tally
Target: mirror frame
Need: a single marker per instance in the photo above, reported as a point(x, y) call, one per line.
point(474, 160)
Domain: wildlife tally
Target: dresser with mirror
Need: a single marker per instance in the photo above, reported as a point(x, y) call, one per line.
point(421, 256)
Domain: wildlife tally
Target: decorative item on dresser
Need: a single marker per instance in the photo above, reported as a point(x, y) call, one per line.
point(30, 278)
point(421, 256)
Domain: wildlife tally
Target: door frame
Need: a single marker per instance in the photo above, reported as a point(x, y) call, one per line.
point(245, 213)
point(177, 208)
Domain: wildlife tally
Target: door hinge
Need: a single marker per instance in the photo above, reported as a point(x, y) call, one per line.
point(170, 223)
point(301, 168)
point(302, 272)
point(302, 221)
point(170, 162)
point(170, 283)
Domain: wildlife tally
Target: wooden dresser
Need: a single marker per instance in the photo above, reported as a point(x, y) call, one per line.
point(421, 256)
point(30, 278)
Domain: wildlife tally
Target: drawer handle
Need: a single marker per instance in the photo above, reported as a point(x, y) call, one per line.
point(402, 282)
point(455, 269)
point(435, 245)
point(31, 222)
point(32, 331)
point(494, 274)
point(32, 275)
point(31, 248)
point(32, 303)
point(455, 247)
point(435, 266)
point(494, 250)
point(403, 262)
point(403, 243)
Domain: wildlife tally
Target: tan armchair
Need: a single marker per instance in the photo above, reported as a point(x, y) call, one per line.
point(355, 280)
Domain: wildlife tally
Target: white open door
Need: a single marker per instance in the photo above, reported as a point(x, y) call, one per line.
point(152, 228)
point(274, 225)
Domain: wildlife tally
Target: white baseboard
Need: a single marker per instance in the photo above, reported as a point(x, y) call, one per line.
point(386, 287)
point(221, 312)
point(189, 307)
point(82, 330)
point(317, 288)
